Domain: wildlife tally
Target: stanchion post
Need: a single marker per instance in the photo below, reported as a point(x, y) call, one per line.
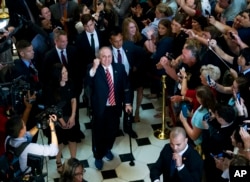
point(163, 132)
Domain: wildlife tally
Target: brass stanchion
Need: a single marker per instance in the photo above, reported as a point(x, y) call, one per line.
point(163, 133)
point(3, 14)
point(4, 17)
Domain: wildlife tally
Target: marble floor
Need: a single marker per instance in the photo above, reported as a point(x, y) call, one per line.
point(145, 150)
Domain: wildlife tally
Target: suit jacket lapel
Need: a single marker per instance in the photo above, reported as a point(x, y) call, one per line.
point(115, 75)
point(102, 73)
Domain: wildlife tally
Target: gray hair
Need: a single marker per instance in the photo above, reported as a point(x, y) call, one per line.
point(211, 70)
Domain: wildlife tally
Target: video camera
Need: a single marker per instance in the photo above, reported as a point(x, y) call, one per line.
point(222, 154)
point(12, 94)
point(42, 118)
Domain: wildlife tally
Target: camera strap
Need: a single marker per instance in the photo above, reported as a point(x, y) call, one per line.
point(16, 150)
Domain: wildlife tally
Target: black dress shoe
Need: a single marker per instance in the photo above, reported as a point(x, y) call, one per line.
point(131, 133)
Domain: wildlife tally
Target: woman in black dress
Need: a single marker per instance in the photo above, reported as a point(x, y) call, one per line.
point(62, 95)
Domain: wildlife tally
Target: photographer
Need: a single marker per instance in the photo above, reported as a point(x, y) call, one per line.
point(17, 134)
point(5, 112)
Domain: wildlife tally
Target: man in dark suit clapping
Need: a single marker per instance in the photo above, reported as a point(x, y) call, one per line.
point(178, 161)
point(109, 91)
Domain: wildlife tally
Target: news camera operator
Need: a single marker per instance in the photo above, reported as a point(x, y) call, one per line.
point(17, 134)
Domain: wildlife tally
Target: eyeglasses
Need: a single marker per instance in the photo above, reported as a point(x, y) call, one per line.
point(80, 173)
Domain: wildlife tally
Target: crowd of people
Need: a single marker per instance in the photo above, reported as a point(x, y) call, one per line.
point(107, 49)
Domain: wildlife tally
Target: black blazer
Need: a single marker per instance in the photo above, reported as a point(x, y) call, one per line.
point(192, 171)
point(52, 57)
point(135, 54)
point(85, 52)
point(20, 69)
point(100, 90)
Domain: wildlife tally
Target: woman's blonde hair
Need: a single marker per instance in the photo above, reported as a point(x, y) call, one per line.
point(125, 31)
point(211, 70)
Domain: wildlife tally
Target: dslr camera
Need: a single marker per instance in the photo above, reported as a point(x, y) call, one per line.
point(170, 56)
point(42, 118)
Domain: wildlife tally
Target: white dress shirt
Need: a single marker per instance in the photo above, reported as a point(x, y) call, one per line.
point(124, 58)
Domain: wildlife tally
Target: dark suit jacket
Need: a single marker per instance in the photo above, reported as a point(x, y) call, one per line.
point(135, 54)
point(192, 171)
point(85, 52)
point(100, 90)
point(52, 57)
point(21, 69)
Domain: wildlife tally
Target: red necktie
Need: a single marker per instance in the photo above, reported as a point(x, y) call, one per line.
point(111, 97)
point(34, 72)
point(119, 56)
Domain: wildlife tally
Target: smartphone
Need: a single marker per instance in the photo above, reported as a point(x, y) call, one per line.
point(208, 79)
point(206, 116)
point(217, 156)
point(169, 56)
point(245, 127)
point(207, 13)
point(184, 110)
point(238, 96)
point(231, 35)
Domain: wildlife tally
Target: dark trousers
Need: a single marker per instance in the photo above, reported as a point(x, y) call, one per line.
point(104, 130)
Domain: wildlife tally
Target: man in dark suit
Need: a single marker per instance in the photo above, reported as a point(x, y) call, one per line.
point(55, 55)
point(66, 55)
point(178, 162)
point(130, 55)
point(109, 91)
point(88, 50)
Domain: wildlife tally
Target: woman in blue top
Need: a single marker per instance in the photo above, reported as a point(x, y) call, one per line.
point(207, 101)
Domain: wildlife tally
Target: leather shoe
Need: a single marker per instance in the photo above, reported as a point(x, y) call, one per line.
point(131, 133)
point(109, 156)
point(99, 164)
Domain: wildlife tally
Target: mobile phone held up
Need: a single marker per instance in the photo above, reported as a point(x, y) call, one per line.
point(238, 96)
point(184, 110)
point(217, 156)
point(208, 79)
point(206, 116)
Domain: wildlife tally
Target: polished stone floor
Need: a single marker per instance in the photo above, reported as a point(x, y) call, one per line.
point(145, 150)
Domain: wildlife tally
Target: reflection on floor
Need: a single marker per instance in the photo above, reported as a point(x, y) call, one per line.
point(145, 150)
